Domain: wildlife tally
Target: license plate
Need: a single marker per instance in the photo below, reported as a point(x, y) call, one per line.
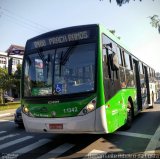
point(55, 126)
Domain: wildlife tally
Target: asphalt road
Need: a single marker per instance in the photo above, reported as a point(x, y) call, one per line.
point(141, 141)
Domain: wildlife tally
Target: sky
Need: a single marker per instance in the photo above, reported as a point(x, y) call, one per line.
point(21, 20)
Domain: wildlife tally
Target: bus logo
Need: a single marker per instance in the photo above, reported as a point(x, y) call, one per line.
point(53, 102)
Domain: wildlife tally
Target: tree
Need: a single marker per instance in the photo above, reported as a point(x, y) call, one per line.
point(6, 82)
point(17, 77)
point(155, 22)
point(121, 2)
point(113, 32)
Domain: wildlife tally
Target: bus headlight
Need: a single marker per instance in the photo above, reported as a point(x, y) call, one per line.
point(89, 107)
point(26, 111)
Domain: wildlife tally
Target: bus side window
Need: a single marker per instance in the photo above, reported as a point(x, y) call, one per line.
point(141, 67)
point(130, 58)
point(106, 53)
point(127, 61)
point(107, 72)
point(119, 56)
point(110, 48)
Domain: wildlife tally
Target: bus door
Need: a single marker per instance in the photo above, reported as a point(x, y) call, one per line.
point(138, 84)
point(147, 84)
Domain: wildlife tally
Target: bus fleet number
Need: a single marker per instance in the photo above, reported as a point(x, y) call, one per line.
point(70, 110)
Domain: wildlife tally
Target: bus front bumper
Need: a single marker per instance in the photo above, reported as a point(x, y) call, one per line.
point(78, 124)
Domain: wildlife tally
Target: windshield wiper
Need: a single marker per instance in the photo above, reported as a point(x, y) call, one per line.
point(65, 57)
point(40, 51)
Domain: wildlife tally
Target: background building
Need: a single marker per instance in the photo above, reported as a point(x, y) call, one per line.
point(15, 53)
point(3, 60)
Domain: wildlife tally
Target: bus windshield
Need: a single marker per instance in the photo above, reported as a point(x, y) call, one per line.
point(60, 71)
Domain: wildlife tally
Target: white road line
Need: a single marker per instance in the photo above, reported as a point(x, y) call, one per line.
point(32, 146)
point(145, 136)
point(7, 121)
point(6, 114)
point(1, 132)
point(96, 153)
point(57, 151)
point(154, 142)
point(15, 142)
point(7, 136)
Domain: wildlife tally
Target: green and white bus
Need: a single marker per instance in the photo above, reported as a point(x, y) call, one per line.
point(81, 79)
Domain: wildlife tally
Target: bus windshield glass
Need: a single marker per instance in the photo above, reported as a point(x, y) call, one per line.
point(60, 71)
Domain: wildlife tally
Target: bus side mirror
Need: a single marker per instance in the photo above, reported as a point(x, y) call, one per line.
point(10, 66)
point(114, 61)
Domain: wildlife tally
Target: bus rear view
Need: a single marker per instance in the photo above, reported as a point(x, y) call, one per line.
point(59, 82)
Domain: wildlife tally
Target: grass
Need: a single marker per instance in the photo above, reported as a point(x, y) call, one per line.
point(10, 105)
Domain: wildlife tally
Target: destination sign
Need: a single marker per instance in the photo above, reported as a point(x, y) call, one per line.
point(59, 39)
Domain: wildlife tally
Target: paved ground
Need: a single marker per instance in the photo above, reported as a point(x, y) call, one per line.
point(142, 141)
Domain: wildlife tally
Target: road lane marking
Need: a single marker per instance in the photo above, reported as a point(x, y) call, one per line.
point(5, 115)
point(94, 151)
point(96, 154)
point(154, 142)
point(145, 136)
point(57, 151)
point(1, 132)
point(3, 120)
point(8, 136)
point(15, 142)
point(32, 146)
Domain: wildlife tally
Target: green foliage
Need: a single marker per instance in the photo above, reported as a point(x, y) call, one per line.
point(155, 22)
point(17, 77)
point(17, 73)
point(113, 32)
point(6, 82)
point(121, 2)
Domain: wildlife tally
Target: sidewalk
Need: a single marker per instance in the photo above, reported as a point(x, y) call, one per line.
point(7, 113)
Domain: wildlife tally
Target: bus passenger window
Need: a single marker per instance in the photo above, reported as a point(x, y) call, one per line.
point(119, 55)
point(141, 68)
point(127, 61)
point(131, 62)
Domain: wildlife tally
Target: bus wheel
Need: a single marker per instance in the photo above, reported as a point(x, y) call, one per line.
point(129, 116)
